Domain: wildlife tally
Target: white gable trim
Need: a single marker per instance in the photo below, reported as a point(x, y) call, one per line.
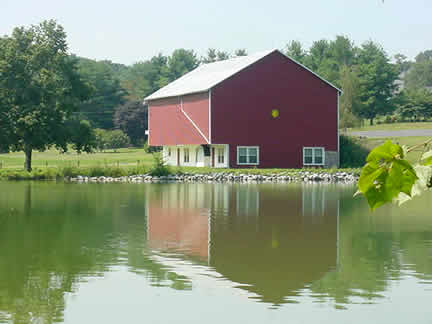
point(306, 68)
point(207, 76)
point(209, 115)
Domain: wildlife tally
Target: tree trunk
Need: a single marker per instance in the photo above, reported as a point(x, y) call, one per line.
point(371, 121)
point(28, 157)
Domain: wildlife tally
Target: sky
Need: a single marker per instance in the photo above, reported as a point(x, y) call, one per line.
point(128, 31)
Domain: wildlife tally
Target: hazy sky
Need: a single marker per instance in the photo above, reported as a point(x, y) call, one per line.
point(126, 31)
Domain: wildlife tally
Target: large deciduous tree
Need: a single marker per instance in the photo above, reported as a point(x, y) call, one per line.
point(143, 78)
point(39, 88)
point(420, 73)
point(107, 92)
point(131, 118)
point(415, 103)
point(376, 81)
point(179, 63)
point(295, 50)
point(349, 101)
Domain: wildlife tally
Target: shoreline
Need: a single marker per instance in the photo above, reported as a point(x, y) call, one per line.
point(124, 175)
point(226, 177)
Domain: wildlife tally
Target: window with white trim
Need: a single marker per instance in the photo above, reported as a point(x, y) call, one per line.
point(221, 155)
point(313, 155)
point(186, 155)
point(247, 155)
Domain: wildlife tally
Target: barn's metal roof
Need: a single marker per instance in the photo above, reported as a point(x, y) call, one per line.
point(206, 76)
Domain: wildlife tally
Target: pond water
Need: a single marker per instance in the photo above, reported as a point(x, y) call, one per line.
point(210, 253)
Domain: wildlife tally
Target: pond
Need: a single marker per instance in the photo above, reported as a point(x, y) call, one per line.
point(210, 253)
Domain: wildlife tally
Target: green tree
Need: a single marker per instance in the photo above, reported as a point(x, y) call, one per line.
point(214, 55)
point(107, 92)
point(420, 73)
point(116, 139)
point(211, 56)
point(402, 63)
point(142, 78)
point(294, 50)
point(131, 118)
point(318, 52)
point(376, 81)
point(39, 88)
point(81, 134)
point(342, 50)
point(349, 101)
point(222, 55)
point(415, 103)
point(179, 63)
point(241, 52)
point(101, 139)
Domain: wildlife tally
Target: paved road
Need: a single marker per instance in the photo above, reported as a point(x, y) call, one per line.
point(398, 133)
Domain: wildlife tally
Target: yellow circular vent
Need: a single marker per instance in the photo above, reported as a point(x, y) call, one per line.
point(275, 113)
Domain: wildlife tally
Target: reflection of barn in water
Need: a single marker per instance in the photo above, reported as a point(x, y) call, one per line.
point(273, 240)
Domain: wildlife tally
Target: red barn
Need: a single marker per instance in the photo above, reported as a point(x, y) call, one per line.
point(264, 110)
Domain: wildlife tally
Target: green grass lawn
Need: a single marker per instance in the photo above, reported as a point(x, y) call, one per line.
point(393, 127)
point(52, 158)
point(408, 141)
point(51, 165)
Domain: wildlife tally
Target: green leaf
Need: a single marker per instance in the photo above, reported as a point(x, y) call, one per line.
point(427, 158)
point(403, 176)
point(369, 174)
point(386, 152)
point(387, 176)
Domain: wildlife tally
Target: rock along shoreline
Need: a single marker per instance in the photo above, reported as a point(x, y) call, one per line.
point(302, 176)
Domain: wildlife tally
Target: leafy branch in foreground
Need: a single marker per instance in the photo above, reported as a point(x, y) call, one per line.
point(389, 177)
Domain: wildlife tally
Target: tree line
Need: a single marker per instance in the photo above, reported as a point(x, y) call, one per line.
point(373, 83)
point(49, 97)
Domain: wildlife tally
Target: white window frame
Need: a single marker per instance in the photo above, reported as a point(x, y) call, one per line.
point(313, 148)
point(247, 156)
point(220, 152)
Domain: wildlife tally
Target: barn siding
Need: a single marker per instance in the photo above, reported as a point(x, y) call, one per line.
point(169, 126)
point(197, 107)
point(242, 106)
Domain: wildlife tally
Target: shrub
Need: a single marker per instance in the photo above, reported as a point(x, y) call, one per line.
point(159, 167)
point(151, 149)
point(70, 171)
point(106, 139)
point(117, 139)
point(352, 153)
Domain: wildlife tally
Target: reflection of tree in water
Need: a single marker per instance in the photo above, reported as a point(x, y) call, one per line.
point(272, 240)
point(374, 249)
point(52, 237)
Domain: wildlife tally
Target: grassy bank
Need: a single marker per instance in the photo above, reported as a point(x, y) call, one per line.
point(98, 171)
point(53, 159)
point(392, 127)
point(52, 165)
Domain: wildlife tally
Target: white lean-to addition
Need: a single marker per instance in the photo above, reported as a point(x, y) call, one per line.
point(194, 155)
